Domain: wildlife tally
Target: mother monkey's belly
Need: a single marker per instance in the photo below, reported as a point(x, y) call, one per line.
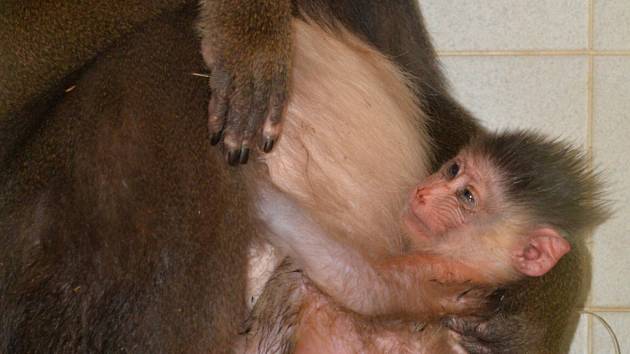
point(354, 140)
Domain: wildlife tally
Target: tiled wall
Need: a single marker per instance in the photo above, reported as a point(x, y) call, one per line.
point(562, 66)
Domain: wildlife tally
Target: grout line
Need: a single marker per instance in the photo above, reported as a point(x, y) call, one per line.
point(589, 99)
point(590, 79)
point(589, 334)
point(590, 111)
point(589, 143)
point(529, 53)
point(590, 118)
point(590, 24)
point(607, 309)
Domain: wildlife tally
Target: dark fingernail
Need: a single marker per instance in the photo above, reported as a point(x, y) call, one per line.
point(268, 145)
point(233, 157)
point(216, 137)
point(244, 155)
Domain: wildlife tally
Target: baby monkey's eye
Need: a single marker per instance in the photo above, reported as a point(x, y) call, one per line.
point(468, 198)
point(452, 170)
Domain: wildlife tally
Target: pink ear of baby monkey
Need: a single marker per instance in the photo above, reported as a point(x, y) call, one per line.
point(540, 254)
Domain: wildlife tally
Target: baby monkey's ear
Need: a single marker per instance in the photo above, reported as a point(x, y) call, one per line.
point(542, 250)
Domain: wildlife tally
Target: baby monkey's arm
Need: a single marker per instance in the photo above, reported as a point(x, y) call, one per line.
point(422, 285)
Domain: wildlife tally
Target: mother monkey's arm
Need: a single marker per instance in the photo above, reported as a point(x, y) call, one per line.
point(247, 45)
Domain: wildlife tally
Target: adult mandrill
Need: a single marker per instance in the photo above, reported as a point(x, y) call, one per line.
point(113, 222)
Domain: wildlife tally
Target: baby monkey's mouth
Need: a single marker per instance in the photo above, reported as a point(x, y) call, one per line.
point(414, 224)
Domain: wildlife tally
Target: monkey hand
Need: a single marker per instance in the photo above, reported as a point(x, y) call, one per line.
point(248, 54)
point(483, 335)
point(467, 343)
point(492, 332)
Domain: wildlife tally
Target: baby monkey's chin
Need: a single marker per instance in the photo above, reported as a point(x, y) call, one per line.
point(416, 228)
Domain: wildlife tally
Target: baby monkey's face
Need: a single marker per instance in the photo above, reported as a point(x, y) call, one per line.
point(459, 200)
point(464, 212)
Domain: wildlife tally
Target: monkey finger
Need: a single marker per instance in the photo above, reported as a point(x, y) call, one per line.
point(465, 326)
point(240, 107)
point(257, 112)
point(232, 144)
point(475, 347)
point(220, 86)
point(217, 109)
point(466, 344)
point(231, 147)
point(276, 110)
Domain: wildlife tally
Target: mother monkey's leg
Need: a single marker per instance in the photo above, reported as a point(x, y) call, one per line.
point(114, 234)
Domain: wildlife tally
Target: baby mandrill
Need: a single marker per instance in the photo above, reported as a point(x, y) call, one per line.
point(508, 206)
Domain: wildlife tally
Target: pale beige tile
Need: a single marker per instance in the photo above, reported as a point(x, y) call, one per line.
point(546, 93)
point(611, 24)
point(579, 345)
point(611, 143)
point(507, 24)
point(602, 341)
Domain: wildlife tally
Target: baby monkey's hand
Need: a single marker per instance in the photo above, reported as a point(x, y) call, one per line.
point(490, 332)
point(247, 50)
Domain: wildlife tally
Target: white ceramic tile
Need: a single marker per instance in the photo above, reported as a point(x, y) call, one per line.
point(507, 24)
point(579, 345)
point(602, 341)
point(611, 24)
point(611, 143)
point(546, 93)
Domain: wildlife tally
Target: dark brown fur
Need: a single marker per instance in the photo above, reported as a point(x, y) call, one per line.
point(35, 66)
point(112, 223)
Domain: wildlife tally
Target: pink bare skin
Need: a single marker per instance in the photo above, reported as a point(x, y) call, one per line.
point(460, 213)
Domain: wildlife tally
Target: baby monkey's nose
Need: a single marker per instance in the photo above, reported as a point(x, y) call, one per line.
point(420, 193)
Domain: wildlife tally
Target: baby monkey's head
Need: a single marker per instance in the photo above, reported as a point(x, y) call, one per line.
point(515, 198)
